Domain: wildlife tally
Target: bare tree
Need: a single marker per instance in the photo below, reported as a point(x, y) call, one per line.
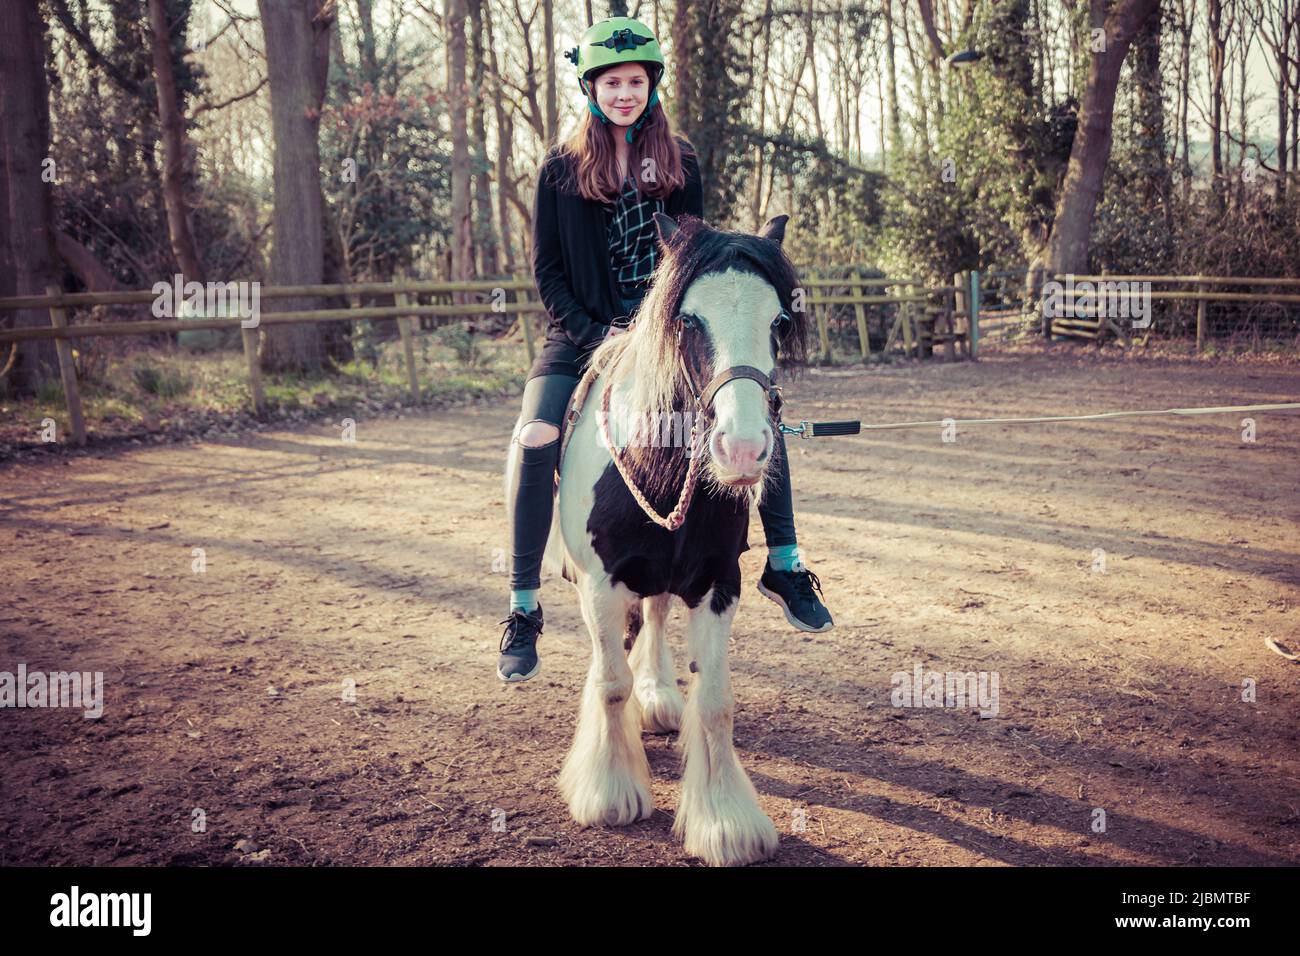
point(462, 248)
point(25, 131)
point(1216, 30)
point(1279, 23)
point(177, 148)
point(1077, 202)
point(298, 47)
point(505, 126)
point(485, 240)
point(551, 129)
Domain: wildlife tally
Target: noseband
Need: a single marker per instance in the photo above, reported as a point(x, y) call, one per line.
point(703, 398)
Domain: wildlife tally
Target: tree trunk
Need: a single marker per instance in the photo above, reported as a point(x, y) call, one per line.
point(919, 97)
point(485, 239)
point(891, 88)
point(552, 127)
point(297, 45)
point(25, 127)
point(1216, 50)
point(462, 250)
point(1150, 117)
point(176, 146)
point(1281, 22)
point(1185, 84)
point(1090, 153)
point(83, 264)
point(756, 200)
point(810, 56)
point(505, 143)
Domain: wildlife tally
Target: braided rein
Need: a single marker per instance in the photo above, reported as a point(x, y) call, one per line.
point(677, 516)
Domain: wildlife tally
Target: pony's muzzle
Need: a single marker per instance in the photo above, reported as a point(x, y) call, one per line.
point(740, 460)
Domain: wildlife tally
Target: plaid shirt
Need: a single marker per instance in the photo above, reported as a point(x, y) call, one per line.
point(631, 236)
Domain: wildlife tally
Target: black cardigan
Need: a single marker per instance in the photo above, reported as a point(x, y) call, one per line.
point(571, 253)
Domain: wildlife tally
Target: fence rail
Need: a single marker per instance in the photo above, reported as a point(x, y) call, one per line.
point(923, 315)
point(913, 327)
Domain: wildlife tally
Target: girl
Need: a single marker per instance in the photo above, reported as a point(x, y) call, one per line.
point(593, 255)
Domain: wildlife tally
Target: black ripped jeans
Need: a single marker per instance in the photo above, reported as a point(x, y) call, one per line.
point(546, 399)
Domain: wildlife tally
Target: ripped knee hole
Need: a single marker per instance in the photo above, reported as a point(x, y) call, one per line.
point(538, 434)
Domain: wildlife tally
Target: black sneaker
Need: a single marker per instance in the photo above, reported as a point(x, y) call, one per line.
point(518, 660)
point(793, 590)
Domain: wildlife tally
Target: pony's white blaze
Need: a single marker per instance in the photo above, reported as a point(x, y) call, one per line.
point(737, 309)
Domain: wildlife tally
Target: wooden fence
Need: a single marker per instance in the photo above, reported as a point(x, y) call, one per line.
point(915, 317)
point(1014, 311)
point(922, 317)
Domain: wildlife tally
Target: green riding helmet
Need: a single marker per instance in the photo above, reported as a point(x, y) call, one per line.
point(612, 41)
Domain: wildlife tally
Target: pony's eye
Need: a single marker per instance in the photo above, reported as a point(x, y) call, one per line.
point(782, 319)
point(688, 320)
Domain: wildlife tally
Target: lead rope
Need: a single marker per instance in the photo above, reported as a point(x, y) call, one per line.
point(677, 516)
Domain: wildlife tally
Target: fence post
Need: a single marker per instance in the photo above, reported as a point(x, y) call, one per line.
point(1200, 318)
point(909, 325)
point(962, 300)
point(823, 330)
point(254, 369)
point(67, 369)
point(1042, 280)
point(864, 340)
point(974, 312)
point(408, 348)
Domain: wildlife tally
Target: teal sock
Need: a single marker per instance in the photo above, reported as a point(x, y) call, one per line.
point(783, 557)
point(524, 600)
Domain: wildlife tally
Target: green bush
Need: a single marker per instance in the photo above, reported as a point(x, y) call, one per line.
point(163, 382)
point(49, 391)
point(464, 344)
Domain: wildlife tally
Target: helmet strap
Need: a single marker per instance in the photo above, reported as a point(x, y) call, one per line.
point(645, 114)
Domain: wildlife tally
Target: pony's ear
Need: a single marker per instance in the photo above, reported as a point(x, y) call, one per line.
point(774, 228)
point(666, 226)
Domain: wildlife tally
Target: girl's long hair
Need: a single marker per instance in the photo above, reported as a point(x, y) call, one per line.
point(591, 165)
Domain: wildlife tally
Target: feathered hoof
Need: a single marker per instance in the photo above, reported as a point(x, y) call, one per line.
point(661, 709)
point(611, 800)
point(744, 836)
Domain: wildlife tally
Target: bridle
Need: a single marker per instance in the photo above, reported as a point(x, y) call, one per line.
point(703, 412)
point(703, 398)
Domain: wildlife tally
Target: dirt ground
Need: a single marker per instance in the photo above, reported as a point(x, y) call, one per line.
point(381, 564)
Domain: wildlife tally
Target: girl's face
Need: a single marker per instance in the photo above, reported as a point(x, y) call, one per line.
point(622, 91)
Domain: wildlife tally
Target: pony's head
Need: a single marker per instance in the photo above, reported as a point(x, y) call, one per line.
point(719, 301)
